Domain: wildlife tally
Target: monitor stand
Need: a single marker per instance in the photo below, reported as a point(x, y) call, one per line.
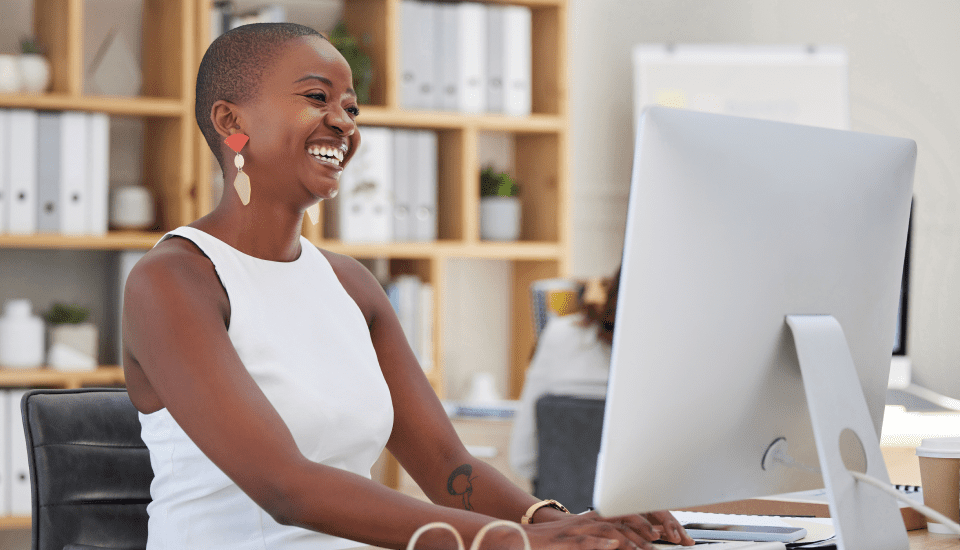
point(864, 517)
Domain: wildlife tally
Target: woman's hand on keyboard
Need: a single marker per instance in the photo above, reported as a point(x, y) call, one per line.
point(669, 528)
point(589, 531)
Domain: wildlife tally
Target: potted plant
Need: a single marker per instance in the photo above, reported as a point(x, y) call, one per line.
point(499, 206)
point(73, 340)
point(360, 64)
point(34, 67)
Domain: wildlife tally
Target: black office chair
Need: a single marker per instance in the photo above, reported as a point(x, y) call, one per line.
point(90, 472)
point(568, 433)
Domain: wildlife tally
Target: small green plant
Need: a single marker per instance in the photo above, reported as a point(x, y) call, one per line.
point(497, 184)
point(30, 45)
point(63, 314)
point(360, 64)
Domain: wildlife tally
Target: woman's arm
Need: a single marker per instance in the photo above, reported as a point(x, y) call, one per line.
point(425, 442)
point(174, 330)
point(429, 449)
point(423, 439)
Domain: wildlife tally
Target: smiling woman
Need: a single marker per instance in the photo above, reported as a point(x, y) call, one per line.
point(270, 375)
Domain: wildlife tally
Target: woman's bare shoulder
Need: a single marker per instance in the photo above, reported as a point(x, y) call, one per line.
point(176, 265)
point(357, 280)
point(173, 279)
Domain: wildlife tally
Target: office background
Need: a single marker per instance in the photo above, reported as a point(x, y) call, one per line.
point(904, 81)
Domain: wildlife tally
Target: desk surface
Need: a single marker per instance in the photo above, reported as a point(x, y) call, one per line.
point(922, 540)
point(919, 540)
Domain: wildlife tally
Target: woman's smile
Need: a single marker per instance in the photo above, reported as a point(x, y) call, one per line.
point(327, 155)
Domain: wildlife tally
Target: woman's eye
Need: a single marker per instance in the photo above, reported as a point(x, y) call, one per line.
point(353, 111)
point(318, 97)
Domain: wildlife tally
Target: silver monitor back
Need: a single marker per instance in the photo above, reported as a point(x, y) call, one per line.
point(733, 224)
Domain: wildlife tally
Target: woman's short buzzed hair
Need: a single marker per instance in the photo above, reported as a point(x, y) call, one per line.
point(233, 65)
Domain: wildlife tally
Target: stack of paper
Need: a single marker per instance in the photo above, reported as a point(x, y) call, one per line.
point(54, 172)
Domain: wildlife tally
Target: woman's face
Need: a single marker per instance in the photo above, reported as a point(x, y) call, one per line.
point(302, 126)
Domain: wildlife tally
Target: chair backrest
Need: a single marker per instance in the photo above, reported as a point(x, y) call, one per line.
point(568, 435)
point(90, 471)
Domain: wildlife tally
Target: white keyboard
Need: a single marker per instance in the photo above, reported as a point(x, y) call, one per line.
point(730, 546)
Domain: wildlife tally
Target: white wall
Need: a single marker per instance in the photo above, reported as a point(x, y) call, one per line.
point(904, 81)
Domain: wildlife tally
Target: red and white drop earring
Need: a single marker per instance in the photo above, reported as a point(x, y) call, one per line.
point(242, 183)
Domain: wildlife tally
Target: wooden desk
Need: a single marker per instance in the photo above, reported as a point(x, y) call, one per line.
point(919, 540)
point(922, 540)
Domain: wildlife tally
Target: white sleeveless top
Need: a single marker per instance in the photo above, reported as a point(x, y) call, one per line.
point(307, 345)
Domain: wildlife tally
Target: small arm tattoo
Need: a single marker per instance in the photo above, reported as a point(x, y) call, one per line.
point(461, 484)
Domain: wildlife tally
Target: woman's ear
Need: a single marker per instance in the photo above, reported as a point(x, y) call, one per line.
point(225, 118)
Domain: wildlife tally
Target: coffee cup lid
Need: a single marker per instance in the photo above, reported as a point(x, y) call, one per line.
point(940, 447)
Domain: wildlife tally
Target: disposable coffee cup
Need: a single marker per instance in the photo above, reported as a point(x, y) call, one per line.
point(940, 478)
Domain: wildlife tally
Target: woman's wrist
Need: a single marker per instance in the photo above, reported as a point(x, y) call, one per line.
point(548, 514)
point(537, 511)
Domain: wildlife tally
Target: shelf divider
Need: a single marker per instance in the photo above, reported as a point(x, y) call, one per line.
point(58, 26)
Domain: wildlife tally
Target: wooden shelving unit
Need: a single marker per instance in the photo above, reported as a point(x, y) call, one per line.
point(11, 523)
point(176, 165)
point(113, 240)
point(49, 378)
point(541, 143)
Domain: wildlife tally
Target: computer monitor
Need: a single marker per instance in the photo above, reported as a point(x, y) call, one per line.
point(733, 225)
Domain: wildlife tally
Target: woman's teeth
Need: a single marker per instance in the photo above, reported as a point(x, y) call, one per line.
point(328, 154)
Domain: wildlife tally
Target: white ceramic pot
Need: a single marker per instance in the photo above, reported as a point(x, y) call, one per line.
point(21, 336)
point(34, 73)
point(73, 347)
point(9, 74)
point(500, 218)
point(131, 207)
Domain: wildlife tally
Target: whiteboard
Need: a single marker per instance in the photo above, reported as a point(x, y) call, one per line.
point(798, 84)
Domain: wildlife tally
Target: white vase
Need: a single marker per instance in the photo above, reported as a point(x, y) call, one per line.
point(73, 347)
point(21, 336)
point(34, 73)
point(500, 218)
point(9, 74)
point(131, 207)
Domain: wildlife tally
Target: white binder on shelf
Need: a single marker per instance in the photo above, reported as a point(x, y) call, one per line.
point(126, 259)
point(48, 172)
point(5, 472)
point(517, 64)
point(427, 86)
point(403, 161)
point(407, 288)
point(496, 57)
point(4, 169)
point(446, 58)
point(73, 173)
point(410, 61)
point(424, 179)
point(98, 173)
point(426, 327)
point(19, 467)
point(472, 53)
point(22, 149)
point(365, 212)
